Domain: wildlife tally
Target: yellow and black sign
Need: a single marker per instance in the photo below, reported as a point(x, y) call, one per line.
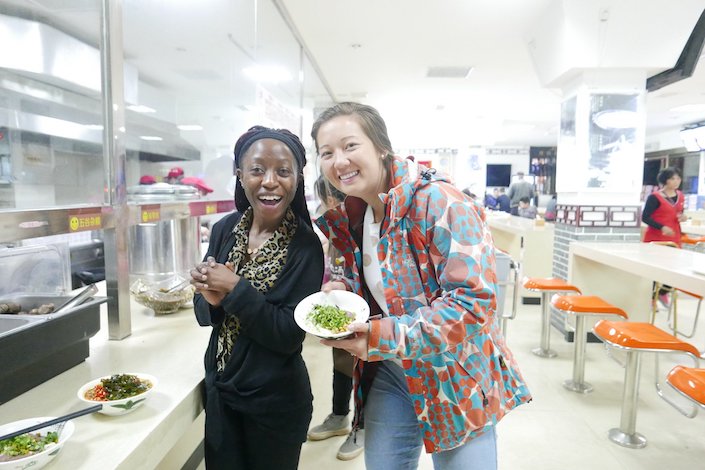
point(80, 222)
point(150, 214)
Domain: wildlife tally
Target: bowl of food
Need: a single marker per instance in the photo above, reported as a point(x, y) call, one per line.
point(34, 449)
point(118, 393)
point(163, 297)
point(328, 314)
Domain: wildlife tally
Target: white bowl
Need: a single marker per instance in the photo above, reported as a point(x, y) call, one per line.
point(342, 299)
point(40, 459)
point(124, 405)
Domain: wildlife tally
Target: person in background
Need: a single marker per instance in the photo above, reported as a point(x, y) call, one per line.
point(503, 201)
point(198, 183)
point(469, 193)
point(261, 262)
point(525, 209)
point(550, 214)
point(433, 368)
point(519, 189)
point(174, 176)
point(147, 179)
point(663, 214)
point(491, 199)
point(337, 423)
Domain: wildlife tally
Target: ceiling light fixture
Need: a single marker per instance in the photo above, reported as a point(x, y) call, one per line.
point(190, 127)
point(449, 72)
point(151, 137)
point(140, 108)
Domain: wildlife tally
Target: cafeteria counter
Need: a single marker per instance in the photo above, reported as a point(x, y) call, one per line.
point(161, 434)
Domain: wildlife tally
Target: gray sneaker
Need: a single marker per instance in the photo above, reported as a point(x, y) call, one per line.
point(333, 425)
point(353, 445)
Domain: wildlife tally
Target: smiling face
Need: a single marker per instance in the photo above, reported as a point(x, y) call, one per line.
point(269, 175)
point(350, 160)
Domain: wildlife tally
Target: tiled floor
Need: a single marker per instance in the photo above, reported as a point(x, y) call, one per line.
point(559, 429)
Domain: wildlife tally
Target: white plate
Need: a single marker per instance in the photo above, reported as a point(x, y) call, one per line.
point(38, 460)
point(124, 405)
point(339, 298)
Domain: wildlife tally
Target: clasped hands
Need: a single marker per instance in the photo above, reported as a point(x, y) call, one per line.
point(356, 344)
point(213, 280)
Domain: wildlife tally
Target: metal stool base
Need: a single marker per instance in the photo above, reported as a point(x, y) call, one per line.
point(578, 387)
point(540, 352)
point(632, 441)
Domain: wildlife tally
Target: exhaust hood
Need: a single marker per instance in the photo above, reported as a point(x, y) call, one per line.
point(41, 94)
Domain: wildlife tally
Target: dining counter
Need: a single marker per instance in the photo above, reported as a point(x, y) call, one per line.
point(163, 432)
point(693, 229)
point(526, 241)
point(623, 273)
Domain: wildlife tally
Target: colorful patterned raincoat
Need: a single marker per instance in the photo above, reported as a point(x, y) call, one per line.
point(438, 268)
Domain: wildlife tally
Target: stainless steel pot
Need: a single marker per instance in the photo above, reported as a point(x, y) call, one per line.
point(162, 249)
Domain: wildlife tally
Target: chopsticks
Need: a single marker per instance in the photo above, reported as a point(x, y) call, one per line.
point(51, 422)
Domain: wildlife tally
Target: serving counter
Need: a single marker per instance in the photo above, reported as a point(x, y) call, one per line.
point(526, 242)
point(623, 273)
point(165, 430)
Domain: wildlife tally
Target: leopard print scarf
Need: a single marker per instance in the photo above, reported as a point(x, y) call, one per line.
point(262, 269)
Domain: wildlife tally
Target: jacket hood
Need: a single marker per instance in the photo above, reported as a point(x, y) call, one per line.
point(406, 178)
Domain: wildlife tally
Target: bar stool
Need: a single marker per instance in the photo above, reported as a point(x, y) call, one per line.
point(635, 338)
point(690, 383)
point(673, 313)
point(582, 306)
point(546, 286)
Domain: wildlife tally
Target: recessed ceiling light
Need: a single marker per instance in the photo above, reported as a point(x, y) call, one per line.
point(150, 137)
point(190, 127)
point(140, 108)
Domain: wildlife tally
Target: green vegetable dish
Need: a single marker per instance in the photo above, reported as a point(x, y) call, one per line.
point(331, 317)
point(26, 444)
point(117, 387)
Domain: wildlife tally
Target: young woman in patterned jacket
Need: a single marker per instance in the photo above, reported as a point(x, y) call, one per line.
point(433, 368)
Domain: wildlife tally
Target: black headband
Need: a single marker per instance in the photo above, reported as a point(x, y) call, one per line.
point(297, 149)
point(260, 132)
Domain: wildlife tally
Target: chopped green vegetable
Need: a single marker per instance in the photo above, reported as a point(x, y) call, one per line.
point(331, 317)
point(25, 444)
point(121, 386)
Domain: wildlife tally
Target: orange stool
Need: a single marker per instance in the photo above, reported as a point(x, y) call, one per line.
point(546, 286)
point(582, 306)
point(689, 382)
point(635, 338)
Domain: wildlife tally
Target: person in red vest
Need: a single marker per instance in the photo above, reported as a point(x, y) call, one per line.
point(663, 213)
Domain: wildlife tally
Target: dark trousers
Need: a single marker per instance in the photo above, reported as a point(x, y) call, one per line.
point(247, 446)
point(342, 386)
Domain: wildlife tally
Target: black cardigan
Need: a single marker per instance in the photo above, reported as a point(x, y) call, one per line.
point(265, 375)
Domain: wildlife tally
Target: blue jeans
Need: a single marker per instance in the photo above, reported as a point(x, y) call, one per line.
point(393, 438)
